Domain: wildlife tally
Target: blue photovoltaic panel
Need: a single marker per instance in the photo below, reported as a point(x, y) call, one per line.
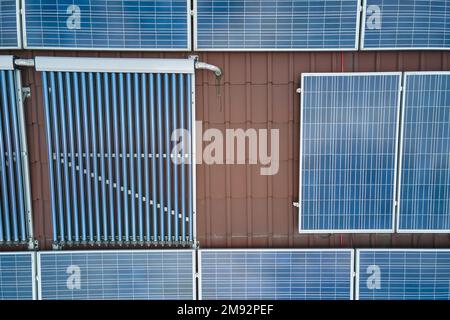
point(425, 154)
point(107, 24)
point(16, 276)
point(277, 25)
point(276, 274)
point(397, 274)
point(121, 275)
point(9, 24)
point(349, 126)
point(406, 24)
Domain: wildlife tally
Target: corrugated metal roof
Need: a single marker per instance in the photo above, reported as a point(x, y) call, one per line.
point(237, 207)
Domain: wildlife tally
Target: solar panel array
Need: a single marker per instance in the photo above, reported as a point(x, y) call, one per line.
point(107, 24)
point(276, 25)
point(9, 32)
point(276, 274)
point(312, 25)
point(111, 275)
point(349, 126)
point(406, 24)
point(238, 274)
point(402, 274)
point(16, 275)
point(425, 157)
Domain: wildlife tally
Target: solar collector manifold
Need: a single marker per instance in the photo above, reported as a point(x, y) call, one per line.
point(109, 127)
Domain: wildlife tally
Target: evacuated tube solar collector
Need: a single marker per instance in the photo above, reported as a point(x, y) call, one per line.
point(109, 124)
point(15, 203)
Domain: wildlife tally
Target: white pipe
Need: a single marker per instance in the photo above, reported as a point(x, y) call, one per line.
point(24, 62)
point(25, 159)
point(206, 66)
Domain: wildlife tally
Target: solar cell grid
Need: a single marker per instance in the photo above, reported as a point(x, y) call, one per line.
point(425, 153)
point(348, 150)
point(276, 25)
point(100, 275)
point(276, 274)
point(17, 276)
point(406, 24)
point(9, 24)
point(403, 274)
point(107, 25)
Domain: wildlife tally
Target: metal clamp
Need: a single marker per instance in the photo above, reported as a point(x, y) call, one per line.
point(26, 93)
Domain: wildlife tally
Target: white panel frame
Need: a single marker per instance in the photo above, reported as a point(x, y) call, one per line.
point(34, 273)
point(342, 231)
point(40, 253)
point(187, 49)
point(355, 48)
point(38, 275)
point(400, 161)
point(33, 268)
point(363, 32)
point(18, 29)
point(132, 65)
point(194, 274)
point(358, 254)
point(193, 157)
point(6, 62)
point(24, 157)
point(351, 251)
point(199, 275)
